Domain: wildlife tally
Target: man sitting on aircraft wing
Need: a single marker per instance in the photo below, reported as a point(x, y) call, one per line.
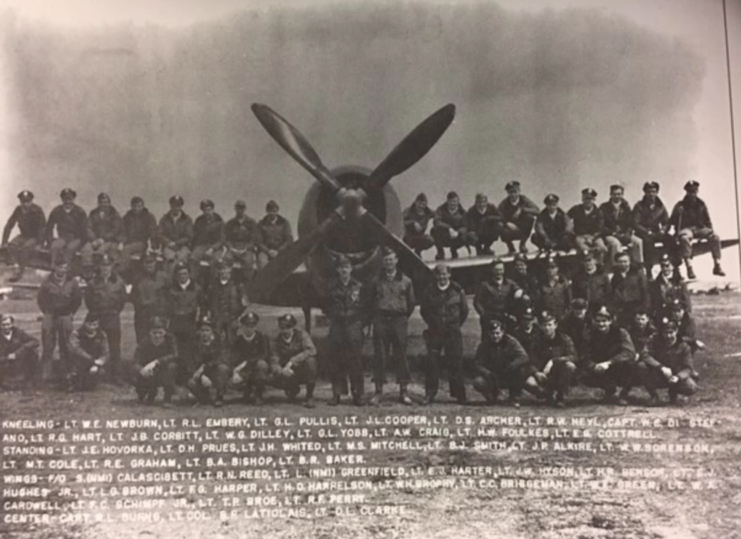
point(175, 234)
point(208, 236)
point(554, 230)
point(651, 223)
point(275, 234)
point(519, 214)
point(449, 227)
point(416, 218)
point(242, 236)
point(484, 225)
point(589, 225)
point(691, 219)
point(31, 223)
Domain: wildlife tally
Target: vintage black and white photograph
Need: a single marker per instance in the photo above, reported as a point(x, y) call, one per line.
point(402, 269)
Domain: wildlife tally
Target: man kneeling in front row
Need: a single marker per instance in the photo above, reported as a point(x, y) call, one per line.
point(667, 363)
point(250, 352)
point(88, 347)
point(156, 362)
point(293, 360)
point(212, 370)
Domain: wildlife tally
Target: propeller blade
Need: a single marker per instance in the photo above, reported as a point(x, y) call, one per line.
point(413, 148)
point(279, 268)
point(293, 142)
point(409, 262)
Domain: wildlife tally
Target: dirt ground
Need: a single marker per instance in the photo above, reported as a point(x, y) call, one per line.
point(467, 513)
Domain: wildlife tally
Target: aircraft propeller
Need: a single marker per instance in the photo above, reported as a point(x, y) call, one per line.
point(410, 150)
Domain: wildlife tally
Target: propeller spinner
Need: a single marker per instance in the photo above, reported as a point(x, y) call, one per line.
point(410, 150)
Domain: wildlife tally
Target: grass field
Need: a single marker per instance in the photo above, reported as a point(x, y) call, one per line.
point(469, 513)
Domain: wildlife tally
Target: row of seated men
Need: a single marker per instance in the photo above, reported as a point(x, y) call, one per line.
point(608, 228)
point(612, 345)
point(209, 238)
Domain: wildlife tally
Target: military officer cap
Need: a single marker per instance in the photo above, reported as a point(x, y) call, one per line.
point(25, 196)
point(691, 186)
point(206, 203)
point(495, 323)
point(387, 251)
point(240, 204)
point(481, 197)
point(341, 261)
point(177, 200)
point(105, 260)
point(512, 186)
point(668, 325)
point(551, 262)
point(452, 195)
point(496, 261)
point(589, 192)
point(616, 187)
point(67, 193)
point(149, 257)
point(603, 312)
point(676, 305)
point(104, 197)
point(441, 269)
point(665, 258)
point(528, 314)
point(551, 199)
point(651, 185)
point(519, 257)
point(91, 317)
point(287, 321)
point(158, 322)
point(6, 318)
point(137, 200)
point(205, 322)
point(421, 198)
point(222, 264)
point(249, 319)
point(587, 254)
point(182, 265)
point(578, 304)
point(272, 206)
point(547, 316)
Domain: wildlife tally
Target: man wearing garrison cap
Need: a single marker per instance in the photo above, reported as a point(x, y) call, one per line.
point(449, 226)
point(72, 228)
point(275, 234)
point(107, 230)
point(651, 224)
point(554, 230)
point(589, 225)
point(31, 223)
point(175, 234)
point(416, 218)
point(691, 220)
point(519, 213)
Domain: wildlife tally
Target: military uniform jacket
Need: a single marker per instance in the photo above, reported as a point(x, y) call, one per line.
point(690, 214)
point(346, 303)
point(618, 221)
point(59, 298)
point(73, 224)
point(106, 297)
point(495, 299)
point(503, 357)
point(148, 291)
point(553, 227)
point(614, 346)
point(31, 223)
point(139, 227)
point(411, 217)
point(252, 350)
point(663, 292)
point(558, 349)
point(18, 342)
point(528, 283)
point(649, 219)
point(555, 297)
point(445, 219)
point(106, 224)
point(577, 330)
point(527, 339)
point(275, 236)
point(678, 356)
point(208, 354)
point(178, 231)
point(394, 295)
point(592, 223)
point(629, 291)
point(243, 234)
point(183, 305)
point(89, 347)
point(297, 349)
point(641, 336)
point(225, 300)
point(524, 204)
point(209, 230)
point(593, 287)
point(475, 219)
point(166, 353)
point(442, 309)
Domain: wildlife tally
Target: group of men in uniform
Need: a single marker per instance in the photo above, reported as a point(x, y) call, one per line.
point(608, 228)
point(539, 333)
